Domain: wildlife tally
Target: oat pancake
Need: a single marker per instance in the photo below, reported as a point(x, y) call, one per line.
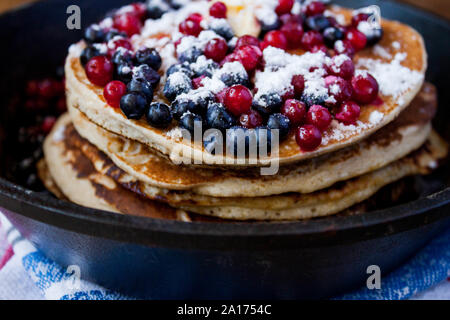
point(399, 60)
point(391, 143)
point(281, 207)
point(100, 194)
point(71, 175)
point(331, 200)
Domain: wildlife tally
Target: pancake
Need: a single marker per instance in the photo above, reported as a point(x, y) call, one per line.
point(289, 206)
point(398, 62)
point(391, 143)
point(47, 179)
point(389, 195)
point(71, 175)
point(332, 200)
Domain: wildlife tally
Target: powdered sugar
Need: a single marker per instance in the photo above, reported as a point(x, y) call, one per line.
point(337, 62)
point(339, 131)
point(376, 117)
point(382, 52)
point(393, 78)
point(197, 42)
point(396, 45)
point(282, 66)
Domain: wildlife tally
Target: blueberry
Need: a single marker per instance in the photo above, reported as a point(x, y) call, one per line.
point(156, 8)
point(203, 99)
point(234, 78)
point(266, 27)
point(176, 4)
point(133, 105)
point(280, 122)
point(184, 67)
point(204, 67)
point(144, 72)
point(264, 139)
point(149, 57)
point(189, 121)
point(310, 99)
point(94, 34)
point(218, 117)
point(124, 72)
point(114, 33)
point(222, 28)
point(373, 36)
point(190, 55)
point(212, 140)
point(141, 86)
point(238, 140)
point(122, 56)
point(268, 104)
point(181, 106)
point(331, 35)
point(158, 115)
point(88, 53)
point(317, 23)
point(176, 84)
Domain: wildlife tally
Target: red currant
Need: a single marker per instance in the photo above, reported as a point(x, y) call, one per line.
point(311, 39)
point(319, 47)
point(197, 82)
point(197, 17)
point(344, 47)
point(250, 119)
point(140, 10)
point(190, 27)
point(319, 116)
point(32, 88)
point(293, 32)
point(284, 6)
point(338, 88)
point(49, 88)
point(315, 8)
point(48, 124)
point(216, 49)
point(218, 10)
point(275, 39)
point(238, 99)
point(249, 56)
point(113, 92)
point(356, 38)
point(308, 137)
point(288, 18)
point(365, 88)
point(289, 94)
point(220, 96)
point(341, 66)
point(298, 81)
point(99, 70)
point(356, 19)
point(348, 113)
point(247, 40)
point(295, 110)
point(119, 43)
point(128, 23)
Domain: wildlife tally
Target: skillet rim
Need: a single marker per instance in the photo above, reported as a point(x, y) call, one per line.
point(75, 218)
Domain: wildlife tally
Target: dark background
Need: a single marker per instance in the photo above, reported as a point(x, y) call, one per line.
point(440, 7)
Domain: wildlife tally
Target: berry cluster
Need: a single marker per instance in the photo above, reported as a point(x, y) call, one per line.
point(212, 81)
point(36, 110)
point(129, 78)
point(236, 105)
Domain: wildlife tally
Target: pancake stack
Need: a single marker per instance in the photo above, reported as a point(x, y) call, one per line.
point(97, 157)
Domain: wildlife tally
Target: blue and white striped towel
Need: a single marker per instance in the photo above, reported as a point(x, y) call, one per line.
point(30, 275)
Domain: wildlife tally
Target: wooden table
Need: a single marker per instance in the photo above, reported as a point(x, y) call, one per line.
point(440, 7)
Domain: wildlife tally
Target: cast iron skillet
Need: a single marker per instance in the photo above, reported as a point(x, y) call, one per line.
point(166, 259)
